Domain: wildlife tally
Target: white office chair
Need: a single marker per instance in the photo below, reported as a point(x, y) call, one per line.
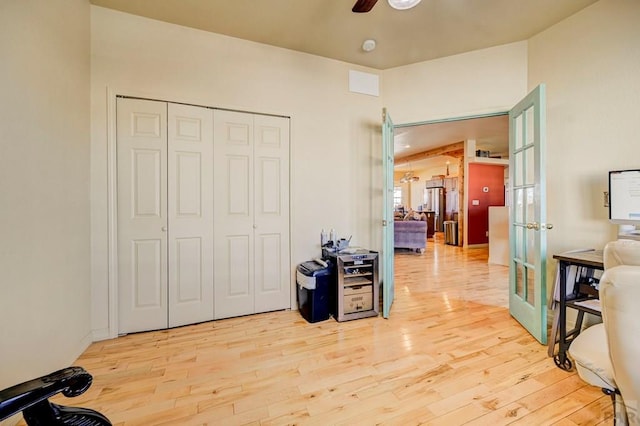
point(606, 355)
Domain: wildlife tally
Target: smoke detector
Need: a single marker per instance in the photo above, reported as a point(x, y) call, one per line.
point(368, 45)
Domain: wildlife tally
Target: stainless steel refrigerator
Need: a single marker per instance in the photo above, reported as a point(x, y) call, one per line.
point(434, 201)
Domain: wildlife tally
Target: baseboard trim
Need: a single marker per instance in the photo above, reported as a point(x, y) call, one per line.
point(101, 334)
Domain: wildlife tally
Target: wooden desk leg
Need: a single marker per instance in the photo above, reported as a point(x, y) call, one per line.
point(553, 339)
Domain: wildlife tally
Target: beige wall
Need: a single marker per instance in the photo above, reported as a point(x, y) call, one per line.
point(483, 81)
point(590, 63)
point(335, 134)
point(336, 175)
point(480, 82)
point(44, 182)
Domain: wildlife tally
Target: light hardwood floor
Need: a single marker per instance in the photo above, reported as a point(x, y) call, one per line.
point(450, 354)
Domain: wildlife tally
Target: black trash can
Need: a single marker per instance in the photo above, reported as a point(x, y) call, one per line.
point(314, 286)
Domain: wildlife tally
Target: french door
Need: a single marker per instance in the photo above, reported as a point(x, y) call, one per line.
point(527, 214)
point(388, 285)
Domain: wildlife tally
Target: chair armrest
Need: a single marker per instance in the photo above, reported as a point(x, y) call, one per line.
point(71, 381)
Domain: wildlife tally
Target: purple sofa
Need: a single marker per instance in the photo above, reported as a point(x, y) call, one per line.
point(411, 234)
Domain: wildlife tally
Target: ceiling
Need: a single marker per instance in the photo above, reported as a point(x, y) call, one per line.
point(490, 133)
point(433, 29)
point(328, 28)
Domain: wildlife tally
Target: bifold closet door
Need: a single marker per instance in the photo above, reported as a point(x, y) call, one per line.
point(142, 214)
point(251, 213)
point(190, 214)
point(165, 214)
point(271, 213)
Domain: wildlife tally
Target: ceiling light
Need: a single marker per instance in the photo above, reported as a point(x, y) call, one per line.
point(403, 4)
point(368, 45)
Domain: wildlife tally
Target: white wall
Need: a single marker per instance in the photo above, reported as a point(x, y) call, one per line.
point(335, 135)
point(416, 195)
point(590, 63)
point(44, 182)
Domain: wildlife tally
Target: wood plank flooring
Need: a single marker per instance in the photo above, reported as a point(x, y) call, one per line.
point(450, 354)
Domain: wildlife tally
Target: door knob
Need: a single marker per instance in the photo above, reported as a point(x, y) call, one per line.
point(164, 229)
point(547, 226)
point(533, 225)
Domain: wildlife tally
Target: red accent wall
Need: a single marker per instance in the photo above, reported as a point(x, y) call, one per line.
point(480, 176)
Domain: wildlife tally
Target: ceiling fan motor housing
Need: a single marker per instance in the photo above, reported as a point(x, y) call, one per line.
point(363, 6)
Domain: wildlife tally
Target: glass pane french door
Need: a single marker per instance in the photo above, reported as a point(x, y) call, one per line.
point(527, 214)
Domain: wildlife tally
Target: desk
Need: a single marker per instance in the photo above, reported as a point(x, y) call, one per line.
point(591, 259)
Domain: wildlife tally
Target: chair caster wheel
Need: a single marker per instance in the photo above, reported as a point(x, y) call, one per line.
point(566, 365)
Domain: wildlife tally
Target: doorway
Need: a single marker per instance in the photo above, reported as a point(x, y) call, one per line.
point(527, 216)
point(443, 149)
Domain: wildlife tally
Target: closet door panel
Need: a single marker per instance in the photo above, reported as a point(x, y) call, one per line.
point(238, 187)
point(188, 275)
point(270, 195)
point(239, 250)
point(146, 184)
point(147, 275)
point(233, 214)
point(271, 153)
point(188, 184)
point(268, 265)
point(190, 213)
point(142, 240)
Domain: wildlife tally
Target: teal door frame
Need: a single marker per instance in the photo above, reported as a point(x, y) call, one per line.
point(388, 284)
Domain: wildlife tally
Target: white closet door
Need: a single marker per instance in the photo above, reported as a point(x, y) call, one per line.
point(233, 214)
point(190, 212)
point(142, 219)
point(271, 213)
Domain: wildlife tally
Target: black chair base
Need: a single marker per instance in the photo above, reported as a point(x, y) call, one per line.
point(31, 398)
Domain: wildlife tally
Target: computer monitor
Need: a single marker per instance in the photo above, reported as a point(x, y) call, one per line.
point(624, 198)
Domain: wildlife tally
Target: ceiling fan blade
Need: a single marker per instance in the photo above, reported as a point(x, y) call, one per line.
point(363, 6)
